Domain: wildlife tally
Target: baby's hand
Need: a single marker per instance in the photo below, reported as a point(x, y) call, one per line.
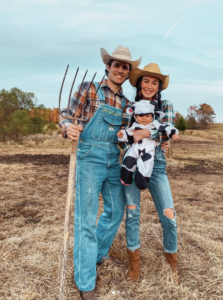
point(120, 134)
point(175, 137)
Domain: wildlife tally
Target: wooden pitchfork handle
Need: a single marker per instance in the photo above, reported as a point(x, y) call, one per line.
point(70, 196)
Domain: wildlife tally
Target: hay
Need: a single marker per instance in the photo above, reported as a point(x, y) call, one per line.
point(33, 194)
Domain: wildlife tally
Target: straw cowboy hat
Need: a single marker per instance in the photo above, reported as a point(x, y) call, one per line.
point(149, 70)
point(121, 54)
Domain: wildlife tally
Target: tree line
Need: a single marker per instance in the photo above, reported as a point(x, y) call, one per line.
point(198, 117)
point(20, 115)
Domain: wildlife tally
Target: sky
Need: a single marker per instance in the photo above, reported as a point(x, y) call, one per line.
point(40, 37)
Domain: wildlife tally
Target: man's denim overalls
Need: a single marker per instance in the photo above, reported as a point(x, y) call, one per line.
point(97, 170)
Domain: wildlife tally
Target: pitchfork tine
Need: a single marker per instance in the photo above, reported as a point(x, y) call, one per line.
point(62, 87)
point(95, 96)
point(71, 91)
point(82, 114)
point(79, 92)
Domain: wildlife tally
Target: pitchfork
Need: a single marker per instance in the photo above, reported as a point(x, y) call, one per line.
point(72, 167)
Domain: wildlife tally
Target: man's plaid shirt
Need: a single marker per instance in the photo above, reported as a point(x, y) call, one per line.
point(112, 99)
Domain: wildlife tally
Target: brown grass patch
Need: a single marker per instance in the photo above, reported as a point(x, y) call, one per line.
point(214, 131)
point(33, 194)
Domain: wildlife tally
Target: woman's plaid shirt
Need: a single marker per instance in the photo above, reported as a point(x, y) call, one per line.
point(168, 119)
point(90, 106)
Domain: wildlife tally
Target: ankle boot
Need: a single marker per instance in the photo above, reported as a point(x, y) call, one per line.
point(173, 261)
point(88, 295)
point(134, 264)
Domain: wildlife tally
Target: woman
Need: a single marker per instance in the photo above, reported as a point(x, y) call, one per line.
point(149, 83)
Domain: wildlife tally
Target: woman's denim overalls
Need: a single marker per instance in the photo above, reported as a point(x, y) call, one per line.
point(97, 170)
point(160, 190)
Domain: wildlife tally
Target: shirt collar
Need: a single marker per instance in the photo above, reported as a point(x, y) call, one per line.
point(104, 85)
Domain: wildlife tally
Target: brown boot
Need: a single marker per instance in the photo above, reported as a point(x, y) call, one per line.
point(134, 264)
point(173, 261)
point(88, 295)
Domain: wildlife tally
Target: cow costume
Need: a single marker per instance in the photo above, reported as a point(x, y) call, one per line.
point(140, 156)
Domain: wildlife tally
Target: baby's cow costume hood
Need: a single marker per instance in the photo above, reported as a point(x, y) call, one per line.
point(144, 107)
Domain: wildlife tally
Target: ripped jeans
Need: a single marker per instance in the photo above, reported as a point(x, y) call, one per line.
point(160, 190)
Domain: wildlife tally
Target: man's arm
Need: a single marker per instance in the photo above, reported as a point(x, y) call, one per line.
point(127, 120)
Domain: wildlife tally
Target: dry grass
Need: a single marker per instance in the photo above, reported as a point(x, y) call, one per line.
point(33, 192)
point(213, 132)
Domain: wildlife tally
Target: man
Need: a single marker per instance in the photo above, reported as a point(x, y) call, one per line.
point(97, 166)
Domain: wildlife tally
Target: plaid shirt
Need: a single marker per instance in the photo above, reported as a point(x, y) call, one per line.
point(90, 107)
point(112, 99)
point(168, 119)
point(159, 137)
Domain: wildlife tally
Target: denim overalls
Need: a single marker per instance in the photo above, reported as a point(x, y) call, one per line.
point(97, 170)
point(160, 191)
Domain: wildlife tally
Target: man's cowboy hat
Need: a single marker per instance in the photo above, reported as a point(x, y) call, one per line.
point(121, 54)
point(149, 70)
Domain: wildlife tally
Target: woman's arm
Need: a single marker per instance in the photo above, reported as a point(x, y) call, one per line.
point(151, 134)
point(169, 113)
point(168, 119)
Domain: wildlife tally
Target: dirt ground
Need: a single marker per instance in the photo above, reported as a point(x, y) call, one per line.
point(33, 185)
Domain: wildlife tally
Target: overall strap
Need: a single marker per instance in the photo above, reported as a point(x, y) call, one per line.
point(101, 96)
point(123, 102)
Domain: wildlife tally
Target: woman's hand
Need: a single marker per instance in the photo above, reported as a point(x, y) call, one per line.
point(138, 135)
point(120, 134)
point(73, 131)
point(165, 146)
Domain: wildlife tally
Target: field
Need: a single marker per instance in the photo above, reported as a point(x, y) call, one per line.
point(33, 192)
point(214, 131)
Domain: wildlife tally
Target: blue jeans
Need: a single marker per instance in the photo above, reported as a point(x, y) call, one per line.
point(97, 171)
point(160, 190)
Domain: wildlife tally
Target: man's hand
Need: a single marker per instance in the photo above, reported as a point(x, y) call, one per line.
point(165, 145)
point(120, 134)
point(138, 135)
point(175, 137)
point(73, 132)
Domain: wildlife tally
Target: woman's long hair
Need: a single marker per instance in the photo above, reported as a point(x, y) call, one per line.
point(139, 95)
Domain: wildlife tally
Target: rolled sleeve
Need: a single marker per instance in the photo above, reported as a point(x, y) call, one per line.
point(154, 135)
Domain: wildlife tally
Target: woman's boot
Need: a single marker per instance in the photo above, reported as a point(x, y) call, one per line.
point(88, 295)
point(134, 264)
point(173, 261)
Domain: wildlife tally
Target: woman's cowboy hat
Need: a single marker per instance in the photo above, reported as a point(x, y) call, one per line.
point(122, 54)
point(149, 70)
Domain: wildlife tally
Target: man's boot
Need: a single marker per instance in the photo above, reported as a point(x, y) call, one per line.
point(134, 264)
point(173, 261)
point(88, 295)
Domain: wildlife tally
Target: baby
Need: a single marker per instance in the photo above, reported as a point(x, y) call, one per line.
point(140, 156)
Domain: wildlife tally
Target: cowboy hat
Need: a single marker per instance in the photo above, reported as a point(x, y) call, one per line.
point(149, 70)
point(121, 54)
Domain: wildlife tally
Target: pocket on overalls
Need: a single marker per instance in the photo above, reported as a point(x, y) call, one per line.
point(83, 151)
point(107, 127)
